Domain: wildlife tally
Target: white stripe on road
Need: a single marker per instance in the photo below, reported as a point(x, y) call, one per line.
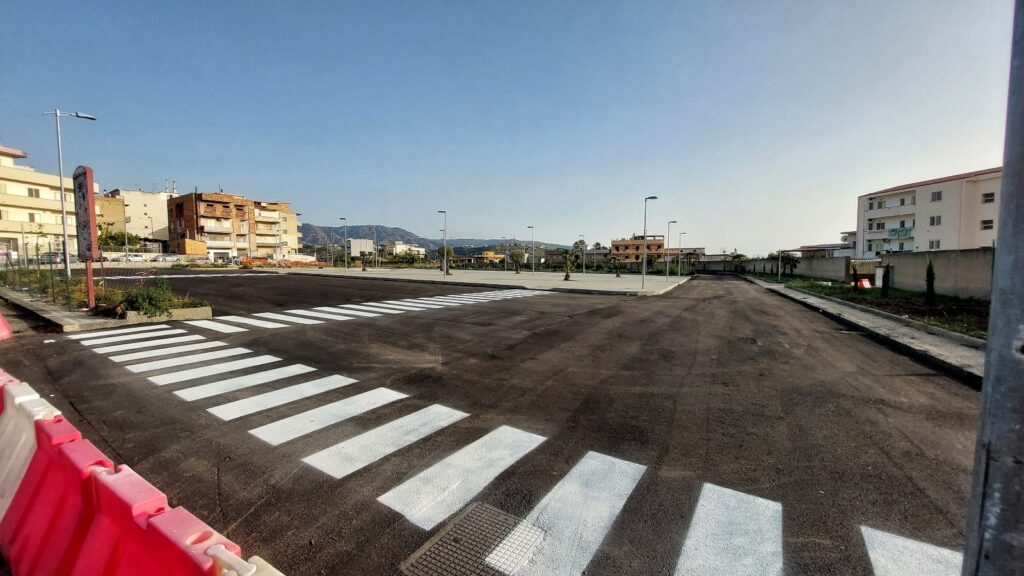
point(117, 332)
point(251, 322)
point(733, 533)
point(240, 382)
point(315, 314)
point(190, 359)
point(148, 344)
point(345, 458)
point(240, 408)
point(211, 325)
point(166, 351)
point(286, 318)
point(183, 375)
point(893, 555)
point(443, 489)
point(129, 337)
point(366, 308)
point(412, 303)
point(442, 302)
point(350, 312)
point(290, 428)
point(406, 308)
point(574, 518)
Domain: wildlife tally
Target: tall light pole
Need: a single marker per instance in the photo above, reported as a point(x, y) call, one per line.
point(345, 227)
point(681, 255)
point(60, 169)
point(504, 244)
point(583, 253)
point(668, 235)
point(643, 265)
point(444, 244)
point(533, 252)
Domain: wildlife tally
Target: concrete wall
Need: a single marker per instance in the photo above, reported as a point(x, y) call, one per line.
point(963, 273)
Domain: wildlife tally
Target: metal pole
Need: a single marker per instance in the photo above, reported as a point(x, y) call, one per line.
point(643, 265)
point(668, 235)
point(583, 253)
point(995, 521)
point(63, 200)
point(780, 265)
point(504, 244)
point(681, 255)
point(533, 252)
point(345, 226)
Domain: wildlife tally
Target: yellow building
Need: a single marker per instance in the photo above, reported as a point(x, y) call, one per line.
point(630, 250)
point(224, 226)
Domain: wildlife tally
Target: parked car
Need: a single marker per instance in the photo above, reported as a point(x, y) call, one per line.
point(56, 258)
point(165, 258)
point(131, 257)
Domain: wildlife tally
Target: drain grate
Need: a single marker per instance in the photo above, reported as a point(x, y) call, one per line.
point(481, 541)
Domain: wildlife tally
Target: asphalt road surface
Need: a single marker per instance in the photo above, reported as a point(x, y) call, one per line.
point(717, 429)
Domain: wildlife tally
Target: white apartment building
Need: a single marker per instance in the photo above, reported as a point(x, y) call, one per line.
point(952, 213)
point(357, 246)
point(397, 247)
point(145, 213)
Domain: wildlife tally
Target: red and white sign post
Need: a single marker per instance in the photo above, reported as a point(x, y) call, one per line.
point(85, 225)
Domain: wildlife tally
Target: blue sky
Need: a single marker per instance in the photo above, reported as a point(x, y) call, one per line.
point(756, 123)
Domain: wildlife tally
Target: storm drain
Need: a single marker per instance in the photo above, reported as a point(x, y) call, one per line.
point(481, 541)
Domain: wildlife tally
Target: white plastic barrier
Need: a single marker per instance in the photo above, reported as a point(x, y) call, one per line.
point(22, 407)
point(230, 565)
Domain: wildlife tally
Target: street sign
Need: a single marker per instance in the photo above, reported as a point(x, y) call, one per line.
point(85, 213)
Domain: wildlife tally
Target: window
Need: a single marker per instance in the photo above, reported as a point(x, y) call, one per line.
point(903, 223)
point(881, 204)
point(879, 225)
point(901, 246)
point(933, 244)
point(935, 220)
point(32, 217)
point(987, 224)
point(871, 205)
point(903, 201)
point(988, 197)
point(33, 192)
point(937, 196)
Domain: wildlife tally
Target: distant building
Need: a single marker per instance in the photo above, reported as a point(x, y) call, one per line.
point(223, 226)
point(145, 213)
point(357, 246)
point(691, 255)
point(397, 247)
point(630, 250)
point(598, 256)
point(826, 250)
point(955, 213)
point(110, 214)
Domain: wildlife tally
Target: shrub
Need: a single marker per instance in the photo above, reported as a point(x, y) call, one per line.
point(152, 299)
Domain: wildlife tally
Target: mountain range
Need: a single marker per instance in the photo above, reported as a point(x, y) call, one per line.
point(313, 234)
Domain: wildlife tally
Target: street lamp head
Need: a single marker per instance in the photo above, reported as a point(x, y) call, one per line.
point(345, 219)
point(673, 221)
point(529, 227)
point(651, 198)
point(84, 116)
point(442, 211)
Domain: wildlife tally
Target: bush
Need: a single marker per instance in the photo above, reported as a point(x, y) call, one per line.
point(150, 299)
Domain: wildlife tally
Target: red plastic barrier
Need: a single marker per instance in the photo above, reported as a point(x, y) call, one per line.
point(5, 329)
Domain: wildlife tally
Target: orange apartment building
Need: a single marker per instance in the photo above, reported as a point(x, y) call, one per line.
point(630, 250)
point(224, 226)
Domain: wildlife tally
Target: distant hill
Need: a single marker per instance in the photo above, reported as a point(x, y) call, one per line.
point(313, 234)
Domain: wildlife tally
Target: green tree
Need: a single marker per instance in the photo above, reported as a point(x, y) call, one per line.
point(518, 258)
point(789, 262)
point(886, 280)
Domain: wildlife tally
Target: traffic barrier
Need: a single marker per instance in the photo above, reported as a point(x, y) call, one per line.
point(5, 329)
point(65, 509)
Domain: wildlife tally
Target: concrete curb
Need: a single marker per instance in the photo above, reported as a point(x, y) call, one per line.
point(69, 321)
point(969, 377)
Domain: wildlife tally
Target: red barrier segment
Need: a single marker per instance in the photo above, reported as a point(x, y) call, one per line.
point(5, 329)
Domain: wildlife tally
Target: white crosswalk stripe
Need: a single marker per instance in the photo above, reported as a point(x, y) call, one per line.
point(443, 489)
point(893, 555)
point(268, 400)
point(405, 308)
point(574, 518)
point(324, 315)
point(216, 326)
point(349, 456)
point(188, 359)
point(134, 336)
point(202, 371)
point(440, 302)
point(367, 308)
point(412, 303)
point(312, 420)
point(148, 343)
point(351, 312)
point(251, 321)
point(166, 351)
point(733, 533)
point(240, 382)
point(117, 332)
point(286, 318)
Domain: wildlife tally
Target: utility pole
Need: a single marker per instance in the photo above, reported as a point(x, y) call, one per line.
point(643, 270)
point(780, 265)
point(583, 253)
point(345, 226)
point(995, 521)
point(668, 235)
point(444, 245)
point(533, 250)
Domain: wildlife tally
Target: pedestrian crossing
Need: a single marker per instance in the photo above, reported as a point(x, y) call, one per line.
point(729, 531)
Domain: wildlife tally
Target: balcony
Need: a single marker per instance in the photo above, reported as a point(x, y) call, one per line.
point(890, 211)
point(214, 229)
point(269, 242)
point(220, 244)
point(262, 216)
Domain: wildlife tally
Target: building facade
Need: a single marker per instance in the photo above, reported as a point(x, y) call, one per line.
point(397, 247)
point(630, 250)
point(952, 213)
point(358, 246)
point(225, 226)
point(145, 213)
point(30, 208)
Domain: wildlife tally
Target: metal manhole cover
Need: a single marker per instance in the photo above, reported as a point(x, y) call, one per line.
point(481, 541)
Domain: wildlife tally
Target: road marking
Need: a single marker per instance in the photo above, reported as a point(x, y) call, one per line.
point(251, 322)
point(450, 301)
point(446, 487)
point(345, 458)
point(239, 382)
point(893, 555)
point(148, 343)
point(406, 308)
point(315, 314)
point(166, 351)
point(575, 516)
point(425, 302)
point(117, 332)
point(468, 298)
point(733, 533)
point(292, 427)
point(190, 359)
point(275, 398)
point(369, 309)
point(287, 318)
point(443, 302)
point(412, 303)
point(192, 374)
point(136, 336)
point(338, 310)
point(211, 325)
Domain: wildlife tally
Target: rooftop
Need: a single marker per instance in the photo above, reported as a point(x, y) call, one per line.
point(12, 152)
point(938, 180)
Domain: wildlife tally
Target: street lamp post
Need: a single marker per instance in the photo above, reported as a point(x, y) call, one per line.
point(533, 252)
point(126, 206)
point(60, 169)
point(643, 265)
point(583, 253)
point(345, 227)
point(668, 236)
point(444, 245)
point(681, 255)
point(504, 261)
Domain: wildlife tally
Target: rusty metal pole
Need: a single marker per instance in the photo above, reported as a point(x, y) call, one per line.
point(995, 522)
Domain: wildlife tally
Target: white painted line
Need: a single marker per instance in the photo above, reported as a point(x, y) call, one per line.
point(366, 308)
point(117, 332)
point(463, 299)
point(192, 374)
point(340, 314)
point(412, 303)
point(443, 489)
point(240, 382)
point(286, 318)
point(893, 555)
point(251, 321)
point(312, 420)
point(406, 308)
point(574, 516)
point(315, 314)
point(444, 302)
point(211, 325)
point(732, 533)
point(351, 312)
point(189, 359)
point(345, 458)
point(240, 408)
point(129, 337)
point(166, 351)
point(148, 344)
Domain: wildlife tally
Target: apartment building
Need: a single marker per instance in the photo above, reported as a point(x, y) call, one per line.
point(397, 247)
point(952, 213)
point(225, 226)
point(30, 208)
point(630, 250)
point(145, 213)
point(358, 246)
